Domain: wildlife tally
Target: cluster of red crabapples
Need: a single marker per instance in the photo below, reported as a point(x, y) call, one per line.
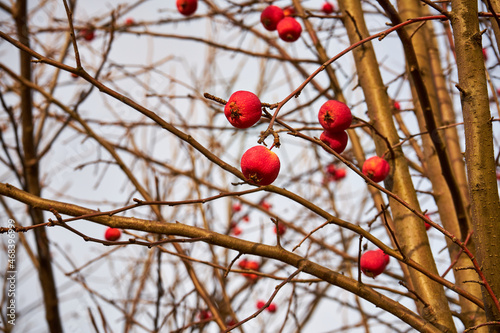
point(259, 165)
point(273, 18)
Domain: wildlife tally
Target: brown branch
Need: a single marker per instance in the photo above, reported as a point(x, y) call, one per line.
point(243, 246)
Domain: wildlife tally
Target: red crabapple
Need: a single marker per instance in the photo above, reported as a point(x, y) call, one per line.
point(260, 165)
point(266, 205)
point(376, 168)
point(260, 304)
point(112, 234)
point(272, 308)
point(427, 225)
point(339, 174)
point(330, 169)
point(327, 8)
point(373, 263)
point(335, 116)
point(205, 314)
point(87, 33)
point(236, 207)
point(187, 7)
point(236, 231)
point(281, 228)
point(289, 29)
point(243, 109)
point(243, 263)
point(252, 265)
point(335, 140)
point(271, 16)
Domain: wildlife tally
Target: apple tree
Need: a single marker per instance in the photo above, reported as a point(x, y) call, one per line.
point(279, 166)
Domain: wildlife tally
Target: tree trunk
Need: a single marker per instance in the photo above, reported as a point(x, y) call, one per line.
point(422, 43)
point(410, 230)
point(31, 177)
point(479, 155)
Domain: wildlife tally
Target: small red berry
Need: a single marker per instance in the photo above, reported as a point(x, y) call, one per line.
point(87, 33)
point(289, 11)
point(376, 168)
point(289, 29)
point(74, 76)
point(243, 263)
point(187, 7)
point(327, 8)
point(246, 218)
point(205, 314)
point(260, 304)
point(252, 265)
point(330, 169)
point(373, 263)
point(335, 116)
point(266, 205)
point(272, 308)
point(236, 231)
point(281, 228)
point(271, 16)
point(397, 106)
point(129, 21)
point(243, 109)
point(260, 165)
point(251, 277)
point(427, 225)
point(112, 234)
point(335, 140)
point(340, 174)
point(236, 207)
point(485, 54)
point(498, 175)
